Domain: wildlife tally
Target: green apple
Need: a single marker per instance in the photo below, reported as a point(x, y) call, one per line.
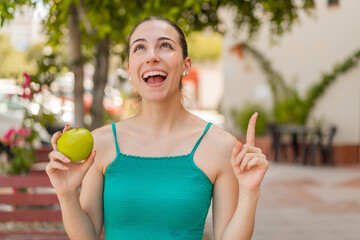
point(76, 144)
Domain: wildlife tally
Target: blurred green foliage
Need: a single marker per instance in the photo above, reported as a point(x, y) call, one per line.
point(242, 116)
point(8, 8)
point(51, 62)
point(22, 160)
point(204, 45)
point(94, 22)
point(115, 18)
point(13, 63)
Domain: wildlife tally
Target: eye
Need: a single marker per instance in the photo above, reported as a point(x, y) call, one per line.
point(138, 47)
point(166, 45)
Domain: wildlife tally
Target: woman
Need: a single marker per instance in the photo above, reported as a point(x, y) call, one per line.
point(154, 174)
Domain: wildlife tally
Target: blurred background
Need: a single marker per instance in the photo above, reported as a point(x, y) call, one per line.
point(296, 62)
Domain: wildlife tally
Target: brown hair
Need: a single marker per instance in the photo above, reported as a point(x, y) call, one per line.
point(182, 39)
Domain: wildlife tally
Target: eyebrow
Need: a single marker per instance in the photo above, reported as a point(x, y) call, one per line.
point(159, 39)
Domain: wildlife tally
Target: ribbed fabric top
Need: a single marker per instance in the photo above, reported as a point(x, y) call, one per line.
point(155, 197)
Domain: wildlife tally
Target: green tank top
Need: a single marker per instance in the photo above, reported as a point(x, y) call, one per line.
point(155, 197)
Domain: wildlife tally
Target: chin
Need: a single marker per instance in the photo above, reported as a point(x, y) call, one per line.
point(159, 97)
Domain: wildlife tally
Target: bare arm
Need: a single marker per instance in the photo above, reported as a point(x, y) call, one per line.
point(249, 165)
point(77, 223)
point(82, 218)
point(225, 199)
point(83, 215)
point(242, 223)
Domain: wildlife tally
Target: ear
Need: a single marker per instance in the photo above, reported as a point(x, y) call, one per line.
point(128, 69)
point(187, 63)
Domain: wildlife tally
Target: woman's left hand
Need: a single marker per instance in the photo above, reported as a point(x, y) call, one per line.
point(248, 161)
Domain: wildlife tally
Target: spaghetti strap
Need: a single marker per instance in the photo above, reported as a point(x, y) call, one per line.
point(116, 142)
point(198, 142)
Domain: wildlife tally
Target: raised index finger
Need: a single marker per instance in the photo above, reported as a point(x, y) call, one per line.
point(250, 134)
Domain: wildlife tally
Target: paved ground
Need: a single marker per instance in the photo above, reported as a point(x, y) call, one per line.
point(304, 202)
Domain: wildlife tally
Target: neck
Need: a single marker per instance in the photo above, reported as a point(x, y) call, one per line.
point(163, 116)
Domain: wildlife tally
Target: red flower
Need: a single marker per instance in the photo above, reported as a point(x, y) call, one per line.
point(27, 95)
point(15, 137)
point(29, 89)
point(24, 132)
point(27, 79)
point(9, 137)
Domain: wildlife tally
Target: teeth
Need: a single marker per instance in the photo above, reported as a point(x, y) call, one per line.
point(154, 73)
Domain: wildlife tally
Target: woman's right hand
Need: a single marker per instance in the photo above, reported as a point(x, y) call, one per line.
point(66, 176)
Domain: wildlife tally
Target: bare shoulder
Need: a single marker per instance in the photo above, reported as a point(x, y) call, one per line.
point(217, 138)
point(101, 136)
point(217, 149)
point(221, 141)
point(104, 145)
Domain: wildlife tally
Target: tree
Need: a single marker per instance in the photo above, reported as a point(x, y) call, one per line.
point(97, 25)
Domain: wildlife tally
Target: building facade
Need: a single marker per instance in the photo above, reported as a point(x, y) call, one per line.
point(313, 46)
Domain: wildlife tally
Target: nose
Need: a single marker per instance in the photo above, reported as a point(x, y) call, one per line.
point(152, 56)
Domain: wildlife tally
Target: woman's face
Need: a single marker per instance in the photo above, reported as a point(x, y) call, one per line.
point(156, 63)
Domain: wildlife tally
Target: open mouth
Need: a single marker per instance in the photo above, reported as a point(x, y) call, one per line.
point(154, 77)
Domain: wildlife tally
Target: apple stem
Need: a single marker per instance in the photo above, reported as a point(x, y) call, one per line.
point(76, 129)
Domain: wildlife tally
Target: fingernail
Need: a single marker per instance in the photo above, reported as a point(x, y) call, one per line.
point(67, 160)
point(58, 133)
point(65, 168)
